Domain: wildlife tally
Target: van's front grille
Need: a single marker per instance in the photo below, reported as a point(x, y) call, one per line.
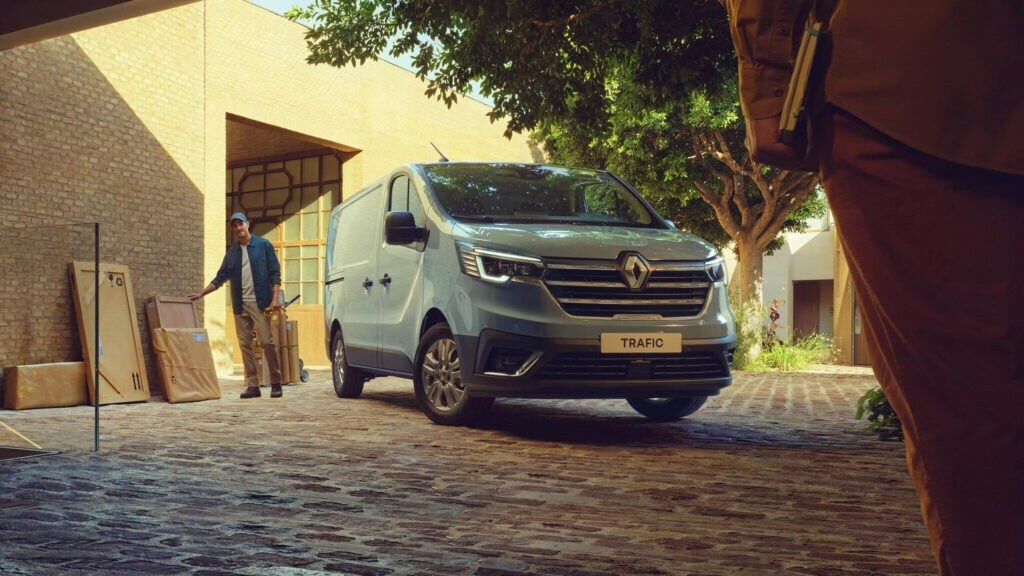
point(594, 366)
point(671, 290)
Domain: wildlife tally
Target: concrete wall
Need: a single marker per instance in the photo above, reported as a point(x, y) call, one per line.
point(126, 124)
point(804, 256)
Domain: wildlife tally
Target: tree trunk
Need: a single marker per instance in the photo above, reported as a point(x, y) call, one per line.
point(746, 294)
point(751, 271)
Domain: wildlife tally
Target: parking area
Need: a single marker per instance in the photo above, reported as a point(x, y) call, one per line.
point(772, 477)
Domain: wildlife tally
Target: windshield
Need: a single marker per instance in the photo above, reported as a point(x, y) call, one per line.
point(535, 193)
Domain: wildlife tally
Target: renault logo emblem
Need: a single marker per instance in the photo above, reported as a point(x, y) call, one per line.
point(635, 271)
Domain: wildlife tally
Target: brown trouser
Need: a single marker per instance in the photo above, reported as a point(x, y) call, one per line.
point(252, 316)
point(937, 257)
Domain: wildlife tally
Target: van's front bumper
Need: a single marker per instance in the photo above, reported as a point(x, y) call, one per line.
point(510, 365)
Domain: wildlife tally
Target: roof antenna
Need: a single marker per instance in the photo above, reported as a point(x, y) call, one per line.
point(443, 158)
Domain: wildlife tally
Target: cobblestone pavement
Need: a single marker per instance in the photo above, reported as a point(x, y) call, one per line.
point(772, 477)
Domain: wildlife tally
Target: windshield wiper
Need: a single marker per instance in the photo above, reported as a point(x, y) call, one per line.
point(471, 218)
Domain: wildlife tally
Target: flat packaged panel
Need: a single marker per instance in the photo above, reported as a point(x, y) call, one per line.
point(121, 366)
point(171, 312)
point(186, 364)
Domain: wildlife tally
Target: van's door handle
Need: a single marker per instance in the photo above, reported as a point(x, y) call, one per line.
point(386, 280)
point(367, 283)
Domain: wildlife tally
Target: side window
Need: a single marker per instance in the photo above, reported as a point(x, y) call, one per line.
point(399, 200)
point(403, 197)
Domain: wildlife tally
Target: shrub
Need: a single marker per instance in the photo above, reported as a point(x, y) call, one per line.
point(815, 349)
point(881, 417)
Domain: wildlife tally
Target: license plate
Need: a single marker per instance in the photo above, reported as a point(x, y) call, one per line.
point(642, 343)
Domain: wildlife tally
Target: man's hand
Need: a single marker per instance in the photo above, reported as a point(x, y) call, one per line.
point(274, 306)
point(195, 296)
point(766, 148)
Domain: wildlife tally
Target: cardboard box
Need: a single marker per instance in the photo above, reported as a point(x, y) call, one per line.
point(286, 339)
point(186, 364)
point(45, 386)
point(292, 331)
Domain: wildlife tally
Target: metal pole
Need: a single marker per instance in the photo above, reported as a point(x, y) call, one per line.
point(96, 340)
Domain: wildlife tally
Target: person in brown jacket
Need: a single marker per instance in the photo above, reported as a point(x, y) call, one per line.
point(921, 151)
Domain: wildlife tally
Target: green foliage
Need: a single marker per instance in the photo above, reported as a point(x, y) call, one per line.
point(798, 356)
point(881, 417)
point(644, 88)
point(537, 59)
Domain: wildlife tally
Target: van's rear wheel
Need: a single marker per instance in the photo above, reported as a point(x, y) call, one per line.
point(437, 381)
point(348, 381)
point(667, 409)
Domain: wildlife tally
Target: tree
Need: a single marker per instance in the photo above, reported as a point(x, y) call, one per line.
point(688, 156)
point(645, 87)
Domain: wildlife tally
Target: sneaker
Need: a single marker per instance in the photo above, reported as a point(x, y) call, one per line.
point(275, 391)
point(251, 392)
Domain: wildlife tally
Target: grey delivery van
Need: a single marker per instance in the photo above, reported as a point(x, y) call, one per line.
point(484, 280)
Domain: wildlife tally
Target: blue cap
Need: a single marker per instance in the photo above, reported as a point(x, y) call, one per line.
point(238, 216)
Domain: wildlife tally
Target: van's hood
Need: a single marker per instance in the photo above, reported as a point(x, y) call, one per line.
point(598, 242)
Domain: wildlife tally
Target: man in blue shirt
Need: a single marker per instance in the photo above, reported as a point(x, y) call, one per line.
point(255, 274)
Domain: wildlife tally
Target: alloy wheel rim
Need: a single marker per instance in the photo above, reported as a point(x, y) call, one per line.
point(442, 376)
point(339, 362)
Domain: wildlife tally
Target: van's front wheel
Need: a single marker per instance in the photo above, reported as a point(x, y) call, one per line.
point(667, 409)
point(348, 381)
point(437, 380)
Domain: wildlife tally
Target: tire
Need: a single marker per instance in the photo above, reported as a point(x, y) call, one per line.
point(303, 373)
point(437, 380)
point(667, 409)
point(348, 381)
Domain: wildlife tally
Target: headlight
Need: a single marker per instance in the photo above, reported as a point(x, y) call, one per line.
point(716, 270)
point(497, 267)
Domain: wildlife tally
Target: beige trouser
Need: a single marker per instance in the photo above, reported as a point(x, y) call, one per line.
point(251, 317)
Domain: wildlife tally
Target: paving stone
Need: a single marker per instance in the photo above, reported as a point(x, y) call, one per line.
point(773, 476)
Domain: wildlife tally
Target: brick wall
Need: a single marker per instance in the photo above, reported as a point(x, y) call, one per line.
point(105, 125)
point(126, 124)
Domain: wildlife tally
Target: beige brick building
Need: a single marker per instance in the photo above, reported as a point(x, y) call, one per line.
point(161, 125)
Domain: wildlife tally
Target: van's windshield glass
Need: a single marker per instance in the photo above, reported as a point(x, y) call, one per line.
point(536, 193)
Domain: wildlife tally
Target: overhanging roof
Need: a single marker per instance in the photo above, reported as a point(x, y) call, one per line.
point(27, 21)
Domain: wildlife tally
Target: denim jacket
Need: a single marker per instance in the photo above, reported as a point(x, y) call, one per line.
point(266, 272)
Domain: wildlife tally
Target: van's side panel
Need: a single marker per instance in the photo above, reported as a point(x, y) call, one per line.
point(352, 255)
point(401, 301)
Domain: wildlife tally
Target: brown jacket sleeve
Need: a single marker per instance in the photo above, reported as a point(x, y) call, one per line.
point(765, 33)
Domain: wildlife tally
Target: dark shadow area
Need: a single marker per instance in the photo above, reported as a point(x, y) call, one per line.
point(9, 453)
point(613, 423)
point(72, 146)
point(74, 149)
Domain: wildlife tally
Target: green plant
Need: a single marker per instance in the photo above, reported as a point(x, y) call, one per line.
point(815, 349)
point(881, 417)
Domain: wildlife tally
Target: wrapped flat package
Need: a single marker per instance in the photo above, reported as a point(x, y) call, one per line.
point(186, 364)
point(45, 386)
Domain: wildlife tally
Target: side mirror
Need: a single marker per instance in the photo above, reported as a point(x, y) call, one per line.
point(400, 228)
point(671, 225)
